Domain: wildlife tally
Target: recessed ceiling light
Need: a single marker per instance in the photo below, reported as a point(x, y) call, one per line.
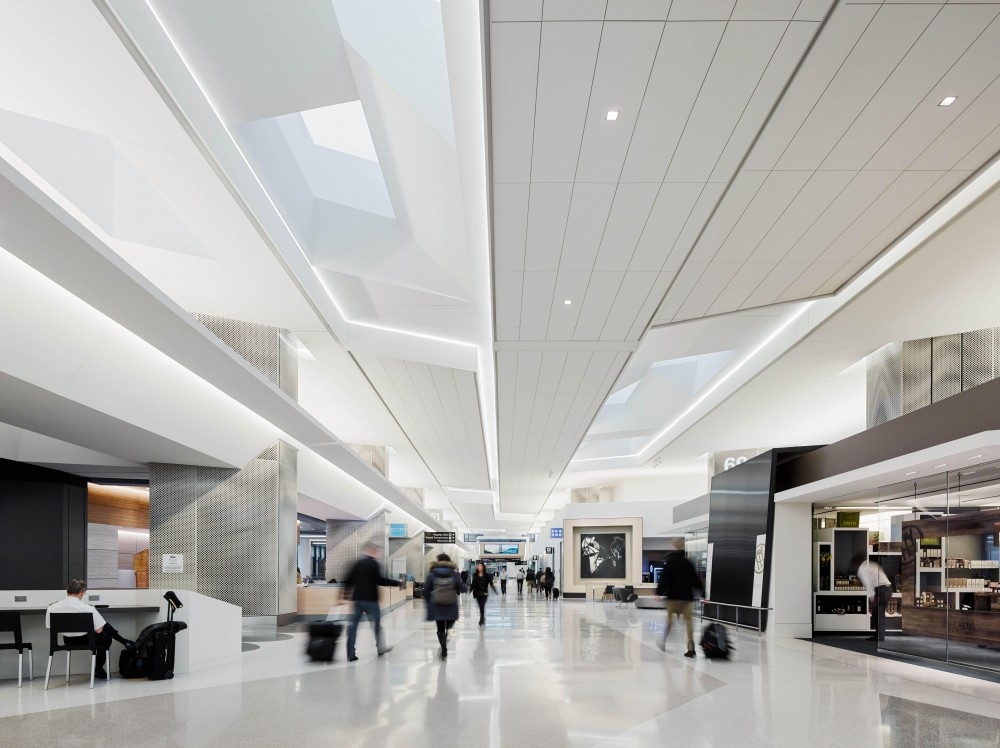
point(613, 115)
point(912, 472)
point(946, 101)
point(568, 301)
point(943, 464)
point(974, 457)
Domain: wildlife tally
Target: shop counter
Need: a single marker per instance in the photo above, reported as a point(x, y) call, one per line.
point(980, 627)
point(317, 599)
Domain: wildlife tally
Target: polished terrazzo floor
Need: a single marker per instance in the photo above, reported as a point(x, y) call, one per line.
point(540, 674)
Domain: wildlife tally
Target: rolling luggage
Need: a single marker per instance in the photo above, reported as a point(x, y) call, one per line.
point(322, 640)
point(715, 642)
point(555, 593)
point(153, 654)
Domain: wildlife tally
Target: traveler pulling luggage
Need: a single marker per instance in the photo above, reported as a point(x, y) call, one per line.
point(323, 639)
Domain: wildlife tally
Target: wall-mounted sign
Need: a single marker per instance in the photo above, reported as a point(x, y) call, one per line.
point(550, 550)
point(555, 532)
point(397, 530)
point(173, 563)
point(439, 538)
point(848, 519)
point(471, 537)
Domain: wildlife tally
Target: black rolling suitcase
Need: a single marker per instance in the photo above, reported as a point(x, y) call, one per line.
point(555, 593)
point(322, 640)
point(153, 654)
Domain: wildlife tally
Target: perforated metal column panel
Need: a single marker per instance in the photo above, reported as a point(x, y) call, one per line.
point(915, 374)
point(978, 357)
point(271, 350)
point(236, 529)
point(883, 384)
point(345, 539)
point(946, 367)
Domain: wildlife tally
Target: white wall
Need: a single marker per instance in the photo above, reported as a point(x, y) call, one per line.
point(676, 487)
point(790, 595)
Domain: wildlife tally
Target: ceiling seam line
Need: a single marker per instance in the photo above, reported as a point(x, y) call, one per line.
point(406, 368)
point(739, 167)
point(548, 418)
point(465, 421)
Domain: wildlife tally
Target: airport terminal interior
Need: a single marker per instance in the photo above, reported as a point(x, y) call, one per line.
point(514, 338)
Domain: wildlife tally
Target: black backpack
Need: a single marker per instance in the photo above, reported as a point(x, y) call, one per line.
point(715, 642)
point(445, 591)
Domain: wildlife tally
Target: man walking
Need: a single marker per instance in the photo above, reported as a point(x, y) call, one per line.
point(503, 579)
point(520, 581)
point(678, 582)
point(361, 586)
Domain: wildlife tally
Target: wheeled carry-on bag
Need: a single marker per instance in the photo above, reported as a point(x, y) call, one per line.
point(323, 637)
point(153, 654)
point(555, 593)
point(715, 642)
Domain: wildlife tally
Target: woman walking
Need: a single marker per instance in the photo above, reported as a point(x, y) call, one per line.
point(442, 588)
point(481, 584)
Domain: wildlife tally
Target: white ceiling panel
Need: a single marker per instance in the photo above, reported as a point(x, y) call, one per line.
point(588, 215)
point(438, 410)
point(670, 211)
point(513, 72)
point(767, 207)
point(712, 282)
point(682, 285)
point(565, 73)
point(833, 284)
point(629, 212)
point(975, 115)
point(681, 65)
point(858, 195)
point(630, 299)
point(888, 37)
point(626, 57)
point(637, 10)
point(947, 38)
point(601, 293)
point(510, 225)
point(701, 10)
point(741, 193)
point(536, 299)
point(515, 10)
point(570, 286)
point(786, 57)
point(765, 10)
point(574, 10)
point(842, 30)
point(507, 295)
point(547, 211)
point(811, 279)
point(814, 198)
point(743, 283)
point(896, 199)
point(645, 314)
point(783, 275)
point(739, 63)
point(813, 10)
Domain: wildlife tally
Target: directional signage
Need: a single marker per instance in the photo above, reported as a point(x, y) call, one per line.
point(555, 532)
point(439, 538)
point(397, 530)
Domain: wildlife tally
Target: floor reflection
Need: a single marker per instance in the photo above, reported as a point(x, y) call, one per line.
point(908, 723)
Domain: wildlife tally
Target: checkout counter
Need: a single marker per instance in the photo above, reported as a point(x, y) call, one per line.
point(315, 600)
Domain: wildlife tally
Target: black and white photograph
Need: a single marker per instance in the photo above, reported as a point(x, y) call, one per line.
point(602, 555)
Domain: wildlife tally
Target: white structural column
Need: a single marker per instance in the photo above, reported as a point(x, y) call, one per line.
point(791, 572)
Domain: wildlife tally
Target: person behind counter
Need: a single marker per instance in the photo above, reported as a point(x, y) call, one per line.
point(106, 633)
point(879, 590)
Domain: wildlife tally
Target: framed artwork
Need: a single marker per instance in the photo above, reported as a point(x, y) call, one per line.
point(602, 555)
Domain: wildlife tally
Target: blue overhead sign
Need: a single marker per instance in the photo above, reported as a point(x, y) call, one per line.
point(397, 531)
point(555, 532)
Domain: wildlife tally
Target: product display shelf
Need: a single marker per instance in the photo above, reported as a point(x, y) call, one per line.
point(840, 602)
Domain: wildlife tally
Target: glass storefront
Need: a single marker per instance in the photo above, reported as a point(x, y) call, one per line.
point(915, 565)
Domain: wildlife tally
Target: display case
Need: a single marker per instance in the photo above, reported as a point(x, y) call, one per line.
point(840, 601)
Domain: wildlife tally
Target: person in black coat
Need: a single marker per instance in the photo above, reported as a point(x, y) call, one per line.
point(441, 590)
point(361, 586)
point(549, 581)
point(679, 581)
point(481, 583)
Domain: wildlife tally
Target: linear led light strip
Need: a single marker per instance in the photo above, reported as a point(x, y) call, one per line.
point(825, 308)
point(484, 411)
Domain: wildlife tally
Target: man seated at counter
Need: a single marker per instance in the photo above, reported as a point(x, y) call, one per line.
point(106, 633)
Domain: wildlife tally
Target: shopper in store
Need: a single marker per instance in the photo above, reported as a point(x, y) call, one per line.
point(361, 586)
point(520, 581)
point(481, 584)
point(879, 589)
point(441, 590)
point(679, 581)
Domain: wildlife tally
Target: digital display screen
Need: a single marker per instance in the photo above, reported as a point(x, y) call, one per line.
point(500, 549)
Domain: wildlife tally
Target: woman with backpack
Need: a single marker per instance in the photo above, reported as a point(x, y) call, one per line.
point(441, 589)
point(481, 584)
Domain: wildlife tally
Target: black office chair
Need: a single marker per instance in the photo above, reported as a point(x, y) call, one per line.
point(609, 591)
point(73, 624)
point(10, 621)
